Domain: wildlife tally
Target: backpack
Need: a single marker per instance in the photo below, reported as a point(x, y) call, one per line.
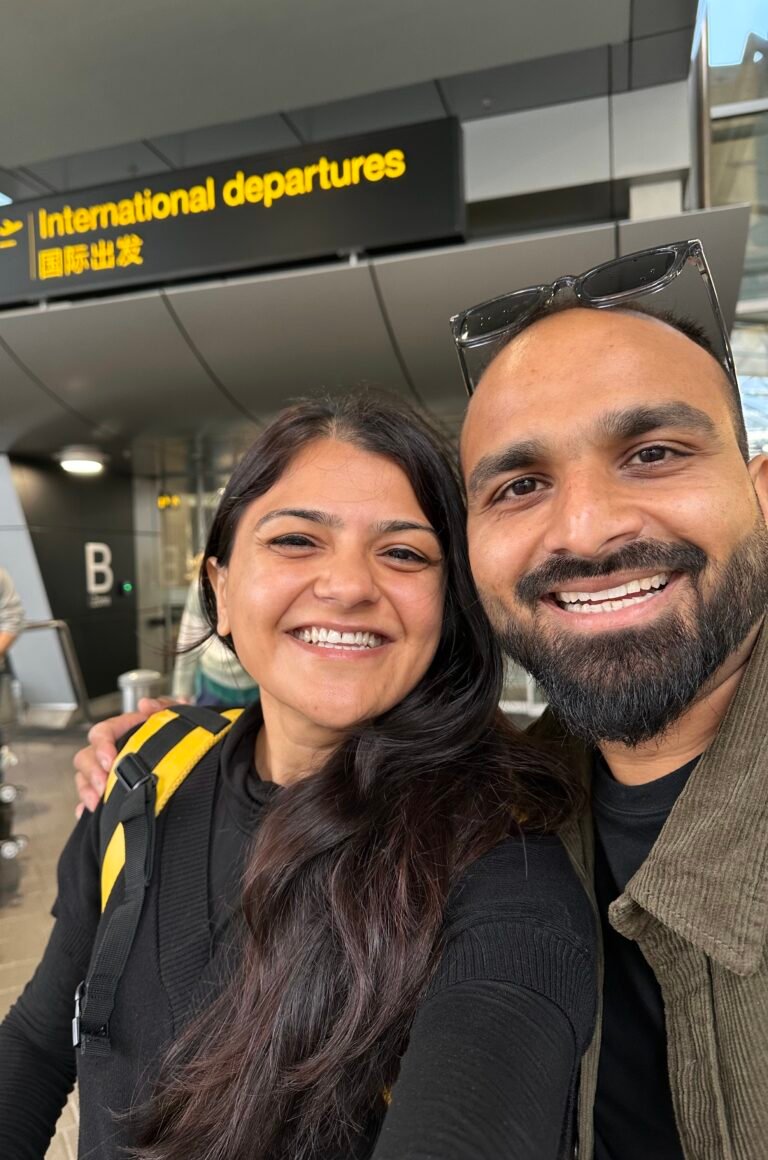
point(148, 770)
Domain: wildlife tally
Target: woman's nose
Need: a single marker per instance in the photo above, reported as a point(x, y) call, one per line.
point(348, 580)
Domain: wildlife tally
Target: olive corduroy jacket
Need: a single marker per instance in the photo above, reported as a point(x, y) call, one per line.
point(698, 909)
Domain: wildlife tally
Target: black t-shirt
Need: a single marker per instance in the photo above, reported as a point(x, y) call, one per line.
point(634, 1118)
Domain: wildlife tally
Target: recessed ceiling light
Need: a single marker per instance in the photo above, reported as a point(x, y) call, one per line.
point(5, 199)
point(82, 460)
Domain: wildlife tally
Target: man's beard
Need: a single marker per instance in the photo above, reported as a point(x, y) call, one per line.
point(631, 684)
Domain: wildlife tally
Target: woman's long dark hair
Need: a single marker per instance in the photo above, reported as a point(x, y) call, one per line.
point(346, 884)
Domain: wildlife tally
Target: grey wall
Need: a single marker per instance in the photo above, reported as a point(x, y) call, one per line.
point(37, 656)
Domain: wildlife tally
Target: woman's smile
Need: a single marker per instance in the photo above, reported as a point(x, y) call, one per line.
point(340, 638)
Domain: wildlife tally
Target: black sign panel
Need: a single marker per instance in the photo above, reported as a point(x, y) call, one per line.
point(389, 188)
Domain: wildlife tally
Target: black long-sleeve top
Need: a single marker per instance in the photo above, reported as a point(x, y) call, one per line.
point(491, 1067)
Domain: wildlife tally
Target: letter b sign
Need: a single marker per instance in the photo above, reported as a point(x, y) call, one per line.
point(99, 577)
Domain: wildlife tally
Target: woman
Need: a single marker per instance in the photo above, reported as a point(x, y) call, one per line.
point(378, 926)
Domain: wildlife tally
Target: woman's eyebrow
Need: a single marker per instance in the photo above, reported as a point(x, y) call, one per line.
point(386, 526)
point(311, 514)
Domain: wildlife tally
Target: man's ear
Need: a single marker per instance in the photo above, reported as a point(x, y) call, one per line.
point(217, 575)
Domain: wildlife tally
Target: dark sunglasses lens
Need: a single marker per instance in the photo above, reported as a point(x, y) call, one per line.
point(501, 314)
point(636, 272)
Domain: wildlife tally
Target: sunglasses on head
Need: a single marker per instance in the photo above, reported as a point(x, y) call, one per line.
point(483, 330)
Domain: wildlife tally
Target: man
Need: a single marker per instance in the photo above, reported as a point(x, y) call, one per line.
point(618, 540)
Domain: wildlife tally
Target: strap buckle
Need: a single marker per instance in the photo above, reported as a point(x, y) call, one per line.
point(132, 772)
point(79, 992)
point(81, 1038)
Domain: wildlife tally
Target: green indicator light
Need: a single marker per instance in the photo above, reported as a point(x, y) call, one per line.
point(127, 586)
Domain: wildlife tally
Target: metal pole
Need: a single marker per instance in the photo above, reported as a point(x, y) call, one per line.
point(72, 663)
point(200, 529)
point(703, 121)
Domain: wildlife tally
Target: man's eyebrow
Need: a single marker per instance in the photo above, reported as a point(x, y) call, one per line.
point(635, 421)
point(386, 526)
point(315, 517)
point(514, 457)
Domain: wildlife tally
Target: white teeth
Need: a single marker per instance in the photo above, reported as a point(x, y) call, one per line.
point(596, 599)
point(332, 638)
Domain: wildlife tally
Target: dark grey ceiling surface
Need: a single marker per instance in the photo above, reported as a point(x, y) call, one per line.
point(273, 338)
point(192, 84)
point(88, 77)
point(208, 356)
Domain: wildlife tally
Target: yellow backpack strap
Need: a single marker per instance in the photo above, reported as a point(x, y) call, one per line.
point(147, 772)
point(169, 744)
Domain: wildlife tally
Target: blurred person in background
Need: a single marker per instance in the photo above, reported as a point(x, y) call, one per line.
point(11, 624)
point(11, 614)
point(206, 673)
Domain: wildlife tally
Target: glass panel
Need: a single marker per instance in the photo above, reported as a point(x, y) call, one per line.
point(738, 75)
point(750, 349)
point(740, 174)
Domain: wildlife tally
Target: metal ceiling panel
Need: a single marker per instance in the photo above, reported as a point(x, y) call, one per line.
point(422, 291)
point(366, 114)
point(99, 167)
point(120, 362)
point(537, 149)
point(571, 76)
point(132, 72)
point(20, 185)
point(220, 142)
point(619, 68)
point(275, 337)
point(653, 16)
point(25, 407)
point(723, 232)
point(660, 60)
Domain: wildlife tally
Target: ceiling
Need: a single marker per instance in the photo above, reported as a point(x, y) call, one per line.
point(205, 358)
point(88, 78)
point(94, 94)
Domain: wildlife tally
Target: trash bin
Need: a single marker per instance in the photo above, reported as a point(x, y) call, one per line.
point(136, 684)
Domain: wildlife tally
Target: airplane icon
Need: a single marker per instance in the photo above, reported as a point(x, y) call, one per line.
point(8, 227)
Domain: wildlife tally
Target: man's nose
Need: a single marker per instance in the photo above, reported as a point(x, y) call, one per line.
point(591, 514)
point(348, 579)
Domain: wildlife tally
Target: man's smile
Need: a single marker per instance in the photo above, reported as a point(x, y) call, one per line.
point(612, 602)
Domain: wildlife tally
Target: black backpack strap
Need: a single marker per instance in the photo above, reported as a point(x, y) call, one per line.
point(95, 997)
point(153, 764)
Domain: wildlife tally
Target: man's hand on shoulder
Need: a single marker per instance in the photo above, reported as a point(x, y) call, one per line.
point(93, 763)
